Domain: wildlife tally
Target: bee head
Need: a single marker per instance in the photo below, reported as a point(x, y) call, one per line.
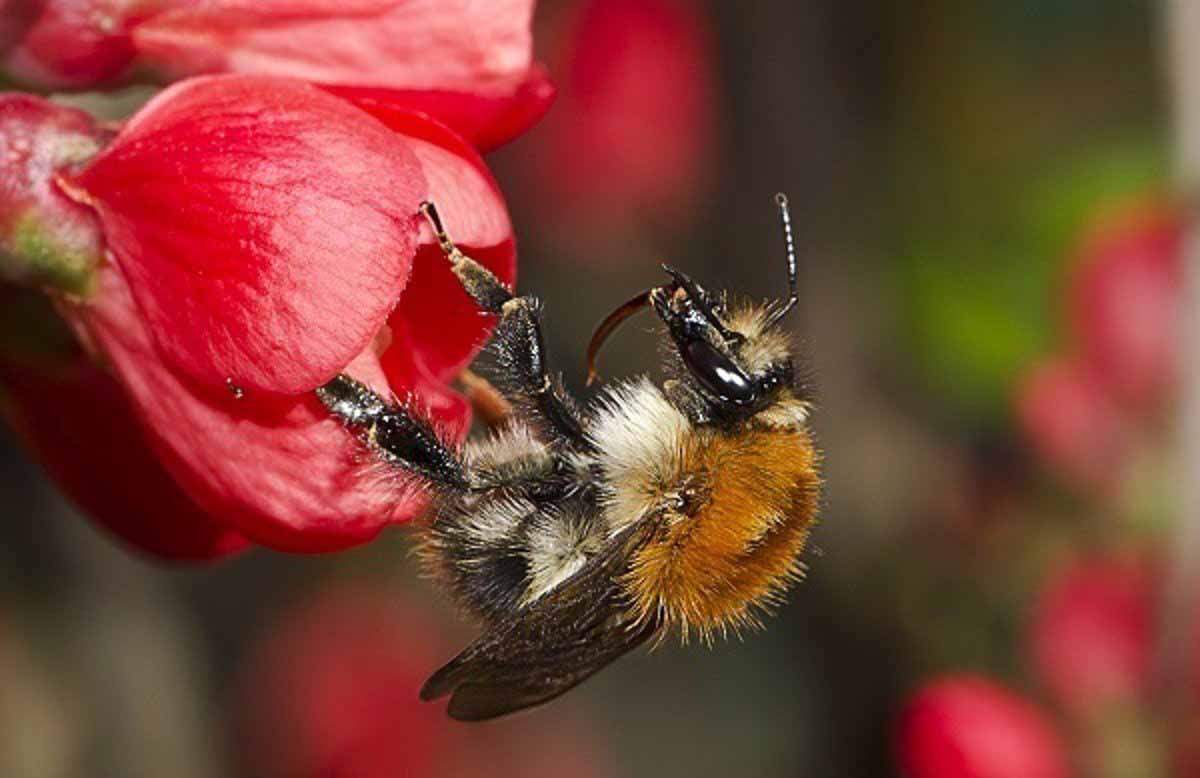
point(733, 363)
point(736, 363)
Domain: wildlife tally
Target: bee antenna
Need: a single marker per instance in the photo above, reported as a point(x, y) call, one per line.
point(785, 216)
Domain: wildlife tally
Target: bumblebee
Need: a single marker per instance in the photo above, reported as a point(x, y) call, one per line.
point(576, 532)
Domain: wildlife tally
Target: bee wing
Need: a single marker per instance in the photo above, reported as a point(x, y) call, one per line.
point(549, 646)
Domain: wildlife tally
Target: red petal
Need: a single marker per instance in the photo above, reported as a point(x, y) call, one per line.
point(277, 468)
point(265, 226)
point(455, 45)
point(486, 121)
point(435, 316)
point(403, 367)
point(79, 423)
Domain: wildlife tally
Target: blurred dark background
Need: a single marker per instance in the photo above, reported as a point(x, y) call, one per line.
point(945, 162)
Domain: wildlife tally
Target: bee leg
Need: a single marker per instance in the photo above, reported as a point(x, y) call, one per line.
point(521, 358)
point(518, 343)
point(399, 437)
point(490, 406)
point(488, 292)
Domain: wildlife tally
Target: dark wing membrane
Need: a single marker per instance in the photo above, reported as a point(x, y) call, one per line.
point(549, 646)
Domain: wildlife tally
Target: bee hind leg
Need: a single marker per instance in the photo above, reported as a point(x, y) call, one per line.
point(518, 343)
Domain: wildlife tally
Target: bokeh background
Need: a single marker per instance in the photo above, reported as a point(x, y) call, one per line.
point(990, 271)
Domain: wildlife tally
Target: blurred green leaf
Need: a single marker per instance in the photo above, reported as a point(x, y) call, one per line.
point(979, 284)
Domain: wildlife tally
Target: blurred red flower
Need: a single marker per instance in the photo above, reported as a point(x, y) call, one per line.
point(469, 67)
point(967, 726)
point(636, 121)
point(263, 231)
point(330, 691)
point(1089, 637)
point(1184, 753)
point(1125, 301)
point(70, 44)
point(472, 71)
point(77, 421)
point(1072, 424)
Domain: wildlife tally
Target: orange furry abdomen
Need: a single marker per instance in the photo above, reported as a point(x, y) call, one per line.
point(734, 544)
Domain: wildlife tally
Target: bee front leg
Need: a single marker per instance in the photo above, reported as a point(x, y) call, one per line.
point(518, 342)
point(396, 435)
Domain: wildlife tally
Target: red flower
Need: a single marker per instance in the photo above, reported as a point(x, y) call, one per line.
point(263, 231)
point(1089, 637)
point(1068, 418)
point(967, 726)
point(467, 66)
point(1125, 302)
point(636, 122)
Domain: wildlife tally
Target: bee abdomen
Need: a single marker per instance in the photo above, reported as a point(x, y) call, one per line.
point(501, 552)
point(474, 546)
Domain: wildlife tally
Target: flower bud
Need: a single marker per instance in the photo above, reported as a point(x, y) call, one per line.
point(330, 691)
point(46, 240)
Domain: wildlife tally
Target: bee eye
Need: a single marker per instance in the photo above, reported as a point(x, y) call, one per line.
point(717, 373)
